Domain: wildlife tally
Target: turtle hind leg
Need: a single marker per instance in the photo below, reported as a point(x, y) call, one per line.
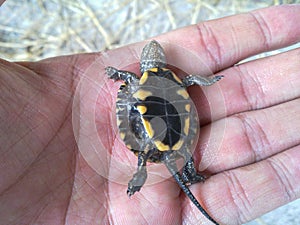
point(199, 80)
point(124, 75)
point(189, 173)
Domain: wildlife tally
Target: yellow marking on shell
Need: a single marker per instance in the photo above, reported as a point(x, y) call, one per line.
point(178, 145)
point(176, 78)
point(144, 78)
point(154, 70)
point(128, 146)
point(183, 93)
point(187, 107)
point(161, 146)
point(186, 126)
point(142, 109)
point(119, 122)
point(142, 94)
point(122, 135)
point(122, 86)
point(148, 128)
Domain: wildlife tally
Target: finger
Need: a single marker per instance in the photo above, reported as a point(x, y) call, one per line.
point(224, 42)
point(261, 83)
point(250, 86)
point(243, 194)
point(249, 137)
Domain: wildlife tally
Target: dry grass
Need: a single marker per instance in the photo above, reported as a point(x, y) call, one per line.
point(42, 28)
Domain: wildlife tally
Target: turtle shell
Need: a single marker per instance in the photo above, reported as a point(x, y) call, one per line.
point(156, 113)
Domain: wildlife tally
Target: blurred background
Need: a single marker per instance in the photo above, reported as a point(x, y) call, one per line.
point(37, 29)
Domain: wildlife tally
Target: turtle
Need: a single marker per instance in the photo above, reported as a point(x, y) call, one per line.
point(157, 120)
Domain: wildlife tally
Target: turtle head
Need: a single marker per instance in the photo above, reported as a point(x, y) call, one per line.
point(153, 56)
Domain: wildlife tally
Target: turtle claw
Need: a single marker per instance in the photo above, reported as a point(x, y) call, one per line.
point(112, 72)
point(132, 189)
point(190, 175)
point(137, 181)
point(116, 74)
point(192, 179)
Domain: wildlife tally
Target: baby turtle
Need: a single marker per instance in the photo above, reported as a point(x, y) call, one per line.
point(157, 120)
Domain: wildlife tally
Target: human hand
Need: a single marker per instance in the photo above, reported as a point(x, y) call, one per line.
point(45, 179)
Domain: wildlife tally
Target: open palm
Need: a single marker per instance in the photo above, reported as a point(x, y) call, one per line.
point(47, 179)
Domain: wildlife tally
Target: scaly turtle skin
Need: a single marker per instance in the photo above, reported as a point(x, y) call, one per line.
point(157, 120)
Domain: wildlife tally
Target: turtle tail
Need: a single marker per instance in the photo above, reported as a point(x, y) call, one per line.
point(188, 192)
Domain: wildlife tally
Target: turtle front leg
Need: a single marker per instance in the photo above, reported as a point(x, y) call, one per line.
point(199, 80)
point(139, 178)
point(124, 75)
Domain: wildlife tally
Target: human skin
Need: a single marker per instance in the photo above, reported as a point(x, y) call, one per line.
point(45, 179)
